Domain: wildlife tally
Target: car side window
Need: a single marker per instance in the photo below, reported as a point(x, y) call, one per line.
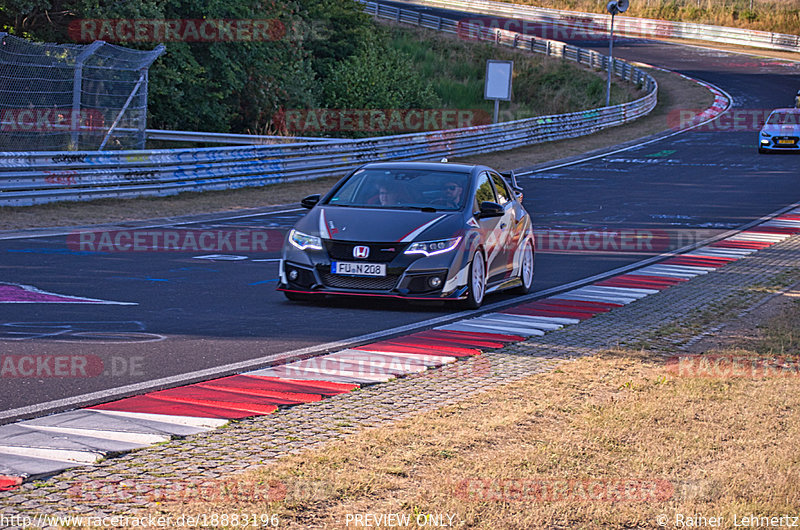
point(503, 195)
point(484, 191)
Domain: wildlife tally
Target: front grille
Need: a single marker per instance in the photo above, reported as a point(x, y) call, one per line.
point(793, 139)
point(378, 252)
point(384, 283)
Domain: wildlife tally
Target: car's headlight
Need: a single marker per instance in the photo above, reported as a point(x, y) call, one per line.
point(765, 134)
point(304, 241)
point(431, 248)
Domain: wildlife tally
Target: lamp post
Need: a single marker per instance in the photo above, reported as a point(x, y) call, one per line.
point(613, 7)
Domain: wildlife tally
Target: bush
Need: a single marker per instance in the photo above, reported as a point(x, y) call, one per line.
point(377, 77)
point(749, 16)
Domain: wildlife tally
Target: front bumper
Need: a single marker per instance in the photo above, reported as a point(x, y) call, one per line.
point(779, 143)
point(407, 276)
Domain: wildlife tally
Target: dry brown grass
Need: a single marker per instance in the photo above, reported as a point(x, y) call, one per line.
point(716, 448)
point(782, 16)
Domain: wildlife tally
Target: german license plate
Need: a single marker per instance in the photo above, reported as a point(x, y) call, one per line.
point(785, 141)
point(350, 268)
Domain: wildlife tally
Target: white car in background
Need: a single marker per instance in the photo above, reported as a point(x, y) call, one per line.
point(781, 132)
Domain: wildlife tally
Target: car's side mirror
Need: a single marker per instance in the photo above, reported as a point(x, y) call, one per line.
point(491, 209)
point(310, 201)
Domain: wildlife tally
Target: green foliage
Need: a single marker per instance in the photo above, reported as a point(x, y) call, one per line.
point(669, 10)
point(749, 16)
point(215, 86)
point(334, 31)
point(694, 12)
point(331, 56)
point(230, 86)
point(541, 86)
point(377, 77)
point(34, 19)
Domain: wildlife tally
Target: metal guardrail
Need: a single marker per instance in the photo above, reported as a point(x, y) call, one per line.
point(577, 23)
point(39, 177)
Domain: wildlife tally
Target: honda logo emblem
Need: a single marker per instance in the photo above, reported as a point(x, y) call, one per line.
point(360, 252)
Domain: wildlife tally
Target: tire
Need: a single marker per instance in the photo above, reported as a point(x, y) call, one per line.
point(477, 282)
point(526, 270)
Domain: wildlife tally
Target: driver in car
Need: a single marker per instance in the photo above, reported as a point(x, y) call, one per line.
point(387, 195)
point(452, 192)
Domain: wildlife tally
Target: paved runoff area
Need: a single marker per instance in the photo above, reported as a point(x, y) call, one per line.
point(114, 459)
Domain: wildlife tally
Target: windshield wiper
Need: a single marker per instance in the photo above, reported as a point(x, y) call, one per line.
point(429, 209)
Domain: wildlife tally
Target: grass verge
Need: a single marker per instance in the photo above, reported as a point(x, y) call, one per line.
point(615, 440)
point(542, 85)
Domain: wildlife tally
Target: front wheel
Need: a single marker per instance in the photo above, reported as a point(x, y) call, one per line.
point(477, 282)
point(526, 270)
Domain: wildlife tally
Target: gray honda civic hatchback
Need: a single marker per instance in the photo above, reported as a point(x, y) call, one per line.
point(412, 230)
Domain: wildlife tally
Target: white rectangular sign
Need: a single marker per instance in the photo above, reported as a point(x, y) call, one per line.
point(498, 80)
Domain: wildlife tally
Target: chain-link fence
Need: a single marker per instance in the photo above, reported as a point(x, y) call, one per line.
point(72, 97)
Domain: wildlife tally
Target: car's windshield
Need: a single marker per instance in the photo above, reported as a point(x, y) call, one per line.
point(784, 118)
point(403, 188)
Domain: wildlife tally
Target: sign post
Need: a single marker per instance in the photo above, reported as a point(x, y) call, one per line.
point(613, 7)
point(498, 83)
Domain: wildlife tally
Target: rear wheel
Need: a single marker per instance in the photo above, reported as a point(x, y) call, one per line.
point(526, 270)
point(477, 282)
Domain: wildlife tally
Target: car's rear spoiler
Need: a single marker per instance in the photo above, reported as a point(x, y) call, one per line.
point(511, 177)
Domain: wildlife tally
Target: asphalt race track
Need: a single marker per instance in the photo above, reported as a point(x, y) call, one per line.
point(167, 315)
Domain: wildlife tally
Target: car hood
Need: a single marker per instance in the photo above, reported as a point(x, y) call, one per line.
point(781, 130)
point(379, 225)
